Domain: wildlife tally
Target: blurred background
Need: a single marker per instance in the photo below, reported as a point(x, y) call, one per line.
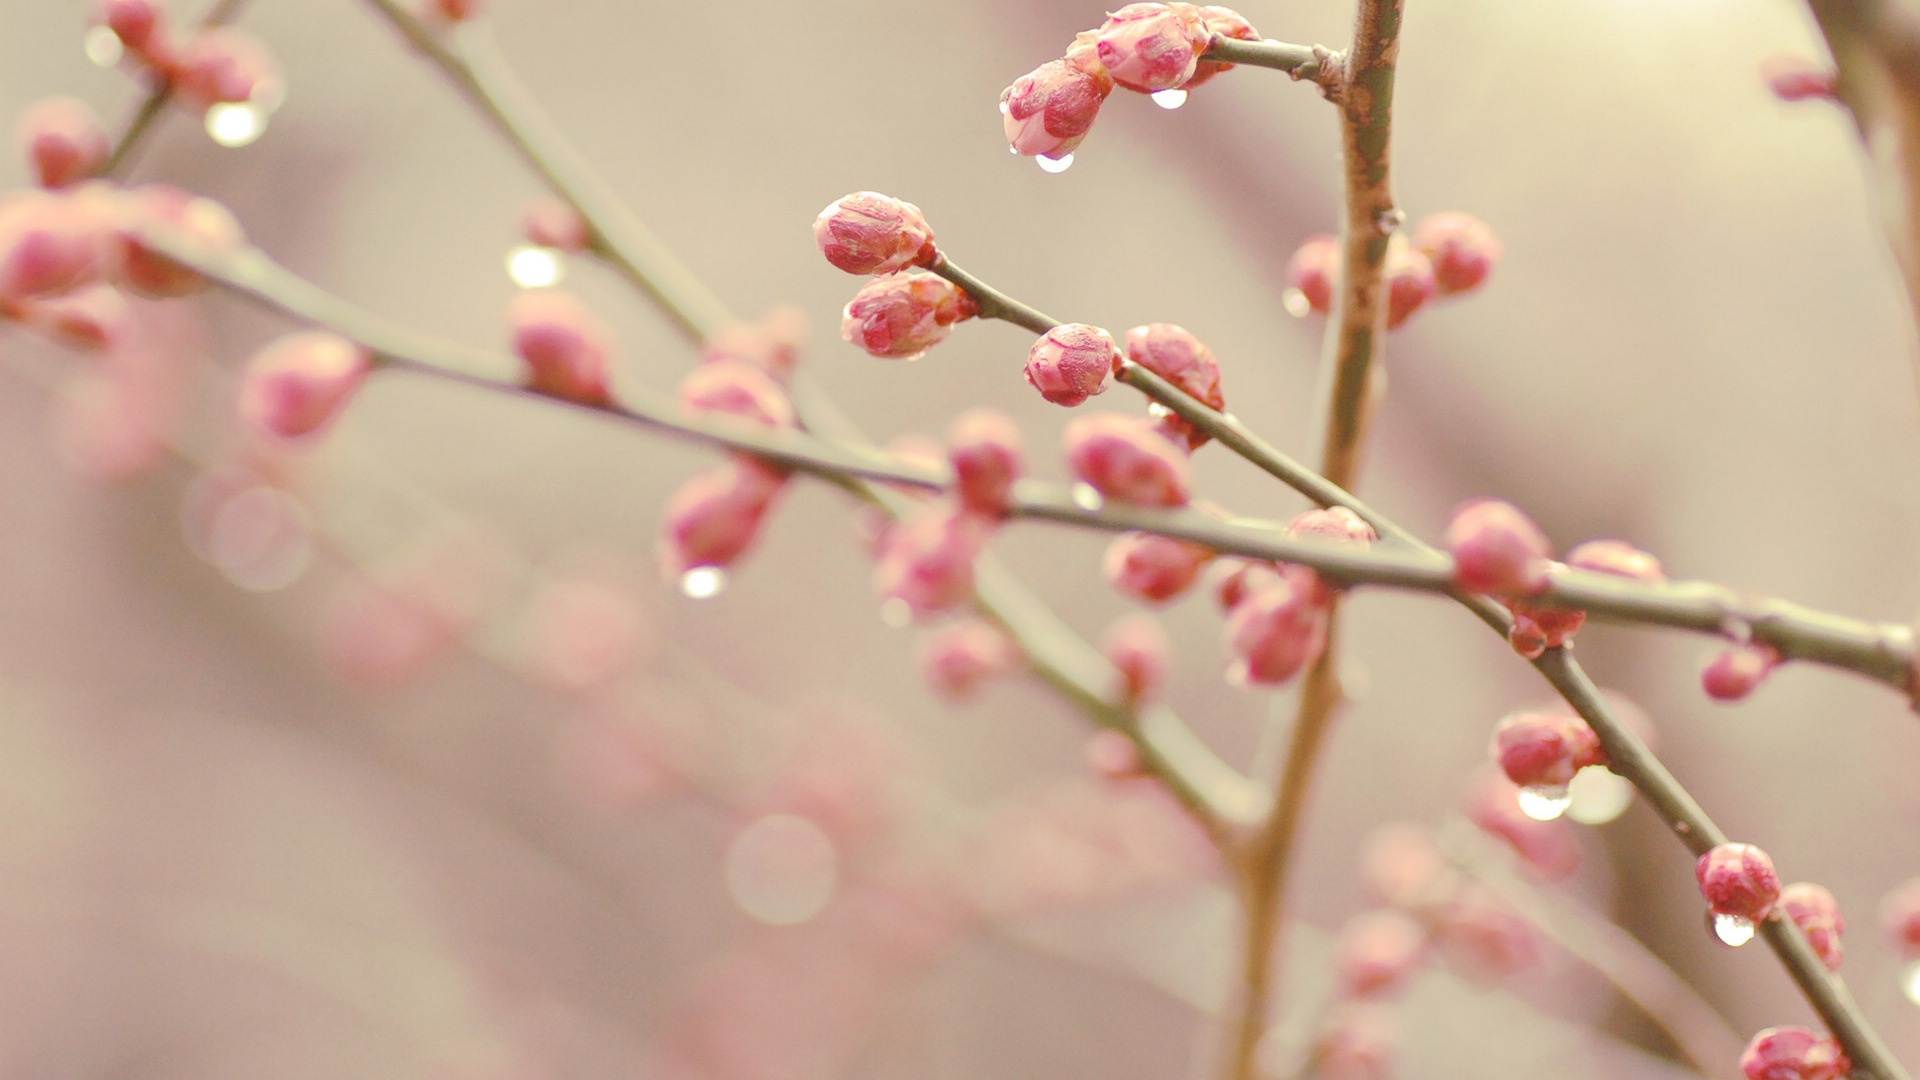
point(261, 816)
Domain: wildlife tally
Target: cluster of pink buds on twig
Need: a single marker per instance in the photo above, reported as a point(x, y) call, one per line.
point(1450, 254)
point(225, 75)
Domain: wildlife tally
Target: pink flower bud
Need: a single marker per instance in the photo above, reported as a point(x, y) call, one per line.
point(1548, 848)
point(1900, 917)
point(1736, 672)
point(1177, 356)
point(1376, 953)
point(1113, 756)
point(457, 11)
point(1483, 939)
point(583, 632)
point(297, 386)
point(1152, 568)
point(870, 233)
point(734, 389)
point(1312, 276)
point(547, 221)
point(182, 219)
point(1793, 1053)
point(1221, 23)
point(901, 316)
point(1539, 627)
point(564, 344)
point(1139, 649)
point(956, 659)
point(771, 343)
point(984, 448)
point(1359, 1042)
point(1461, 249)
point(1048, 111)
point(714, 517)
point(139, 24)
point(49, 244)
point(223, 64)
point(1814, 910)
point(1152, 47)
point(1336, 524)
point(1274, 634)
point(1497, 549)
point(1410, 281)
point(95, 316)
point(1402, 865)
point(1125, 460)
point(1071, 363)
point(1544, 749)
point(926, 561)
point(1738, 879)
point(1232, 580)
point(1798, 78)
point(1619, 558)
point(63, 141)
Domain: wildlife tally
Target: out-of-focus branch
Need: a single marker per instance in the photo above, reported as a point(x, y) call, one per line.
point(159, 93)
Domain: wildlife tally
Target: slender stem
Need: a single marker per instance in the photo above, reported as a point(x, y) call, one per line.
point(159, 93)
point(993, 303)
point(1312, 63)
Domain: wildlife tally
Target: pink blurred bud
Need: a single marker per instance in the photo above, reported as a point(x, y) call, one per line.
point(1152, 47)
point(95, 316)
point(1221, 23)
point(1738, 879)
point(381, 635)
point(1402, 864)
point(457, 11)
point(49, 244)
point(139, 24)
point(870, 233)
point(1071, 363)
point(956, 659)
point(926, 561)
point(1274, 634)
point(1410, 281)
point(984, 448)
point(63, 141)
point(1539, 627)
point(1359, 1042)
point(901, 316)
point(1798, 78)
point(1814, 910)
point(224, 64)
point(1738, 671)
point(180, 218)
point(1152, 568)
point(1048, 111)
point(713, 518)
point(1793, 1053)
point(546, 221)
point(729, 388)
point(583, 632)
point(106, 429)
point(1544, 749)
point(1232, 580)
point(564, 344)
point(1548, 848)
point(1312, 274)
point(1376, 953)
point(1619, 558)
point(1497, 549)
point(1177, 356)
point(296, 387)
point(1485, 940)
point(1900, 917)
point(1461, 248)
point(771, 343)
point(1125, 460)
point(1139, 649)
point(1110, 755)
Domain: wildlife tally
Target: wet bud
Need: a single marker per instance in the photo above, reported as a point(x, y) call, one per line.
point(1900, 917)
point(901, 316)
point(1125, 460)
point(984, 448)
point(1409, 281)
point(49, 244)
point(1619, 558)
point(1152, 568)
point(1814, 910)
point(1139, 649)
point(1376, 953)
point(1152, 47)
point(1538, 627)
point(1177, 356)
point(1739, 880)
point(1461, 249)
point(956, 659)
point(1793, 1053)
point(63, 141)
point(553, 223)
point(734, 389)
point(1273, 634)
point(564, 344)
point(1313, 274)
point(926, 561)
point(1071, 363)
point(1736, 672)
point(870, 233)
point(1544, 749)
point(297, 386)
point(1232, 580)
point(1049, 111)
point(714, 517)
point(223, 64)
point(1221, 23)
point(139, 24)
point(1548, 848)
point(1798, 78)
point(180, 219)
point(1497, 549)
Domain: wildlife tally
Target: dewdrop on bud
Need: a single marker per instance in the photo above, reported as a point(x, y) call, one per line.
point(984, 448)
point(224, 65)
point(1177, 356)
point(1544, 749)
point(139, 26)
point(564, 344)
point(1793, 1053)
point(870, 233)
point(712, 520)
point(1497, 549)
point(1125, 460)
point(1071, 363)
point(1149, 47)
point(297, 386)
point(1736, 672)
point(956, 659)
point(1740, 887)
point(1410, 281)
point(1312, 276)
point(1545, 845)
point(1814, 910)
point(1461, 250)
point(1049, 111)
point(1221, 23)
point(181, 219)
point(731, 388)
point(63, 141)
point(1139, 649)
point(1274, 634)
point(926, 561)
point(1539, 627)
point(901, 316)
point(1152, 568)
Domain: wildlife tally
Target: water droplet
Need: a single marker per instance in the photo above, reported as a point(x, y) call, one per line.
point(233, 124)
point(1599, 795)
point(1055, 165)
point(781, 869)
point(103, 46)
point(896, 613)
point(703, 582)
point(1086, 498)
point(1296, 303)
point(1003, 106)
point(1169, 99)
point(1734, 930)
point(260, 539)
point(1544, 802)
point(1910, 982)
point(534, 267)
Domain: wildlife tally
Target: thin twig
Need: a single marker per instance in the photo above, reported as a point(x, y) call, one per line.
point(1309, 63)
point(159, 93)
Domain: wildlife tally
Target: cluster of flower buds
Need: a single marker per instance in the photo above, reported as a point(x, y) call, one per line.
point(904, 311)
point(1449, 254)
point(224, 73)
point(1277, 612)
point(1793, 1053)
point(1175, 355)
point(1148, 48)
point(1539, 627)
